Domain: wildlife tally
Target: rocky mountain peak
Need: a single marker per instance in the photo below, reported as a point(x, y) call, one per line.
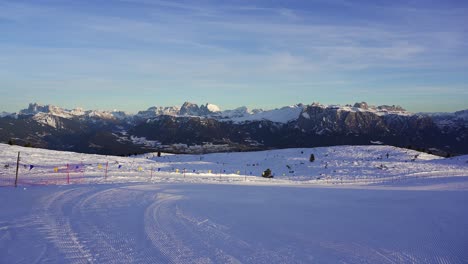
point(35, 108)
point(155, 111)
point(189, 109)
point(362, 105)
point(392, 108)
point(195, 110)
point(41, 111)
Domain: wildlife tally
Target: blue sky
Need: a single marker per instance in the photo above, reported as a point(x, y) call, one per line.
point(133, 54)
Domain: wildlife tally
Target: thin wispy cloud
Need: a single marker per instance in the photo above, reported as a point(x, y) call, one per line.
point(142, 44)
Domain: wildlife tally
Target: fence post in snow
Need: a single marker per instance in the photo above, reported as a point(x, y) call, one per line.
point(107, 166)
point(17, 168)
point(151, 178)
point(82, 170)
point(68, 173)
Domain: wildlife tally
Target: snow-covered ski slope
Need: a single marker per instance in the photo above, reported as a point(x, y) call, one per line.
point(212, 223)
point(332, 165)
point(351, 205)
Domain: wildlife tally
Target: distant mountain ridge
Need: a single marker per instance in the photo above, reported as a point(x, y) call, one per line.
point(241, 114)
point(206, 128)
point(34, 109)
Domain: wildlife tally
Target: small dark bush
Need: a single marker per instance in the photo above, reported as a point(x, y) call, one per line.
point(267, 174)
point(312, 158)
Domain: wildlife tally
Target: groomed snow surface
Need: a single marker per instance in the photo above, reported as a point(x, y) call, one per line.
point(351, 205)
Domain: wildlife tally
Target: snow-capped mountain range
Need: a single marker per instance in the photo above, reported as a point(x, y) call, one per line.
point(238, 115)
point(35, 109)
point(205, 128)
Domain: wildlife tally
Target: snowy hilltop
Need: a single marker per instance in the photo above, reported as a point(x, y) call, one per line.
point(341, 164)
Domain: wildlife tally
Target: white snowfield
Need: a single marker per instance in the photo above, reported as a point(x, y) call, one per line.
point(351, 205)
point(281, 115)
point(333, 165)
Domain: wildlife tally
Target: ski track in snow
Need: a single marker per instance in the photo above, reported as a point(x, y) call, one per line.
point(148, 223)
point(169, 228)
point(97, 239)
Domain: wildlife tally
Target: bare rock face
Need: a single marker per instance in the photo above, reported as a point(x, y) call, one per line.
point(393, 108)
point(189, 109)
point(203, 110)
point(327, 121)
point(35, 108)
point(155, 111)
point(362, 105)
